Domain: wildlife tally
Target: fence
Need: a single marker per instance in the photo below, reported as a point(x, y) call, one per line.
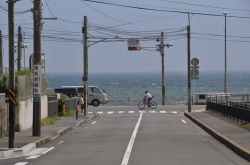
point(233, 110)
point(70, 103)
point(3, 115)
point(53, 108)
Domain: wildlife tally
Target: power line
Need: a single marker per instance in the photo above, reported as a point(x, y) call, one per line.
point(164, 10)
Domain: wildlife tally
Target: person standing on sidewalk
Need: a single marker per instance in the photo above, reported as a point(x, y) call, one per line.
point(82, 103)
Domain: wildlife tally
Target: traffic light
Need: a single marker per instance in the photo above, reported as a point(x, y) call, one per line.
point(194, 69)
point(134, 48)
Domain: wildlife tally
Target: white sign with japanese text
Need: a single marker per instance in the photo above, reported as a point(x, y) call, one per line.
point(37, 80)
point(133, 42)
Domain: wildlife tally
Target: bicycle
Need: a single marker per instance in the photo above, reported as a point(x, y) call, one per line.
point(152, 104)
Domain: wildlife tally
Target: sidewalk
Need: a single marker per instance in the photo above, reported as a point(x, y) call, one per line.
point(25, 142)
point(226, 131)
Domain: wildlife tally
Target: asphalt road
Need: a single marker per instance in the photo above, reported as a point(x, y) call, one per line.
point(133, 138)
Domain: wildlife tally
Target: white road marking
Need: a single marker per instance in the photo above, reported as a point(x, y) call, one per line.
point(33, 157)
point(21, 163)
point(142, 111)
point(99, 112)
point(51, 148)
point(174, 112)
point(120, 111)
point(61, 142)
point(163, 112)
point(131, 142)
point(131, 112)
point(183, 121)
point(151, 111)
point(93, 122)
point(36, 151)
point(90, 112)
point(110, 112)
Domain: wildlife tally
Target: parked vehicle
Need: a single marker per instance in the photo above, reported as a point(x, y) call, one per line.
point(95, 95)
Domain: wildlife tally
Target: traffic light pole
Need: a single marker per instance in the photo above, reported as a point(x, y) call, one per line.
point(85, 66)
point(19, 48)
point(163, 70)
point(189, 69)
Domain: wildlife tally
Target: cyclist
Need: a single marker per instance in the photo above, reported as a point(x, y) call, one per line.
point(147, 97)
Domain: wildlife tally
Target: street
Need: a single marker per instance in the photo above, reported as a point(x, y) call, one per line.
point(132, 138)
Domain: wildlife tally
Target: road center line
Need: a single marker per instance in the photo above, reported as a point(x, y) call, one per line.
point(131, 142)
point(21, 163)
point(51, 148)
point(183, 121)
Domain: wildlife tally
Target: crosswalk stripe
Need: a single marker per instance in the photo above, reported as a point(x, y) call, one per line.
point(110, 112)
point(131, 111)
point(90, 112)
point(120, 111)
point(151, 111)
point(21, 163)
point(99, 112)
point(33, 157)
point(163, 112)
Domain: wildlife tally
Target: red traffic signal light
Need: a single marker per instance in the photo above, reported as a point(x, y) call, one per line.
point(134, 48)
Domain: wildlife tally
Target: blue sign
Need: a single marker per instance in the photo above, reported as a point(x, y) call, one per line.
point(84, 79)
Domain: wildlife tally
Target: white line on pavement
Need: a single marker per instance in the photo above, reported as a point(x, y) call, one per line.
point(174, 112)
point(183, 121)
point(90, 112)
point(21, 163)
point(131, 142)
point(110, 112)
point(99, 112)
point(163, 112)
point(51, 148)
point(120, 111)
point(131, 112)
point(61, 142)
point(93, 122)
point(33, 157)
point(151, 111)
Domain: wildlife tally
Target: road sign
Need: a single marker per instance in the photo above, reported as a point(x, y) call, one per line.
point(195, 61)
point(133, 42)
point(84, 78)
point(194, 69)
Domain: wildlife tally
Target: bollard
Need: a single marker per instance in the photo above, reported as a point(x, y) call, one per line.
point(76, 113)
point(63, 110)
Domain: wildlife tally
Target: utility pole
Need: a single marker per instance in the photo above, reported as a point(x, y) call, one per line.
point(85, 66)
point(163, 73)
point(12, 95)
point(189, 69)
point(19, 48)
point(1, 54)
point(225, 76)
point(37, 69)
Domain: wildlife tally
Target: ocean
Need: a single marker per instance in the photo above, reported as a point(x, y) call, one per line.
point(127, 89)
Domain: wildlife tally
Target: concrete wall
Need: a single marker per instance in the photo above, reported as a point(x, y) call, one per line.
point(26, 112)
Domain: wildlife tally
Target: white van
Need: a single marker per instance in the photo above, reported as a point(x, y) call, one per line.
point(95, 95)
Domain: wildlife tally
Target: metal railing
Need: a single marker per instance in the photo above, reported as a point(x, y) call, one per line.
point(234, 110)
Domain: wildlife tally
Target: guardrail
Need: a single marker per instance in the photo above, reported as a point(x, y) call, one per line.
point(234, 110)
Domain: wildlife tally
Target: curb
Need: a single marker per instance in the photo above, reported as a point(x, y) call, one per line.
point(238, 149)
point(31, 146)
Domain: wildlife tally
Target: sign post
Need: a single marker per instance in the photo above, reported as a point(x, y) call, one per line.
point(85, 96)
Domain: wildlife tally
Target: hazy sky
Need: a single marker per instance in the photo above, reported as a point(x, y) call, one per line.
point(62, 37)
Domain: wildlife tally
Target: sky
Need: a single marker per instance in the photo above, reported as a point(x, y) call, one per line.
point(116, 21)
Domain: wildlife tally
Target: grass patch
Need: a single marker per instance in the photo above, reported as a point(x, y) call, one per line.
point(49, 120)
point(70, 113)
